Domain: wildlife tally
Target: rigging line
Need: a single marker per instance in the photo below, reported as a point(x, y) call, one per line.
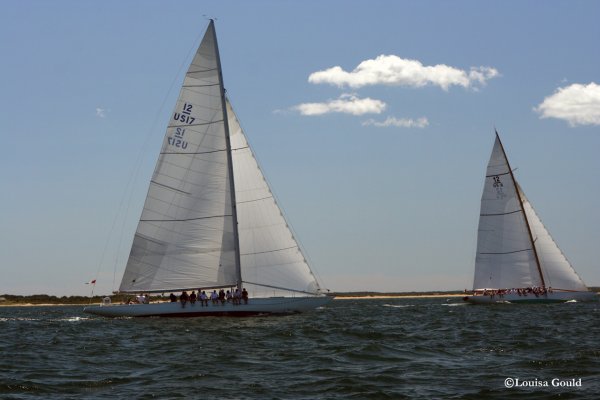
point(195, 153)
point(269, 251)
point(185, 219)
point(509, 252)
point(507, 213)
point(240, 148)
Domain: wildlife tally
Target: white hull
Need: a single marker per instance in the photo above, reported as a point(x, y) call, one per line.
point(265, 306)
point(554, 297)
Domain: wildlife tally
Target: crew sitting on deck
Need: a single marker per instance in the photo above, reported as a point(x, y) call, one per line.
point(245, 295)
point(193, 297)
point(204, 299)
point(173, 298)
point(214, 297)
point(222, 296)
point(184, 298)
point(228, 296)
point(535, 290)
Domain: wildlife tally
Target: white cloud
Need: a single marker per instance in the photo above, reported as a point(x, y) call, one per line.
point(100, 112)
point(399, 123)
point(346, 103)
point(393, 70)
point(577, 104)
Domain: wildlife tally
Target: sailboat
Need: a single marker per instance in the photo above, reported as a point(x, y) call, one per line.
point(210, 220)
point(517, 260)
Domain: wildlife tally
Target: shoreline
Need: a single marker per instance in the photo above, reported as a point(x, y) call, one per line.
point(367, 297)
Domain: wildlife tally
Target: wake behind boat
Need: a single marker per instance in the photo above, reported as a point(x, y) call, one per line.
point(210, 219)
point(517, 260)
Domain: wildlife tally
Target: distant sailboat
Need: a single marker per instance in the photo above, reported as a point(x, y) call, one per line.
point(210, 220)
point(517, 260)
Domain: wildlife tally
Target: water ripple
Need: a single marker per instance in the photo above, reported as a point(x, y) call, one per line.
point(363, 349)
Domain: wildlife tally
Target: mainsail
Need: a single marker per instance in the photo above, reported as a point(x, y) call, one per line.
point(210, 219)
point(514, 249)
point(185, 236)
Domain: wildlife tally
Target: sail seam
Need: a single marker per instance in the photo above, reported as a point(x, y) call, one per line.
point(269, 251)
point(169, 187)
point(503, 173)
point(491, 215)
point(202, 70)
point(250, 201)
point(207, 85)
point(196, 153)
point(185, 220)
point(510, 252)
point(202, 124)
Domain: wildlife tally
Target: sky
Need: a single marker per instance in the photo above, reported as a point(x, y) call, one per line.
point(373, 121)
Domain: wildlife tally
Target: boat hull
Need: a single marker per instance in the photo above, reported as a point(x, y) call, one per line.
point(264, 306)
point(554, 297)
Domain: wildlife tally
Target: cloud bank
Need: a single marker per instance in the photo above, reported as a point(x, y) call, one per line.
point(577, 104)
point(346, 104)
point(100, 112)
point(399, 123)
point(396, 71)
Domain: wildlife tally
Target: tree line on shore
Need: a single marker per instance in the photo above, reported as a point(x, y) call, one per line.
point(8, 299)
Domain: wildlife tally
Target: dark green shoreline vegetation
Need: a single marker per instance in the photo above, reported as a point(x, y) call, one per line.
point(9, 299)
point(37, 299)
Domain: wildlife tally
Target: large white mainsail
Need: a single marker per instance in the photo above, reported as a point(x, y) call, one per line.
point(185, 237)
point(271, 260)
point(505, 255)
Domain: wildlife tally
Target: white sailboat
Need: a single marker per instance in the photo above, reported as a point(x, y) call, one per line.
point(517, 260)
point(210, 220)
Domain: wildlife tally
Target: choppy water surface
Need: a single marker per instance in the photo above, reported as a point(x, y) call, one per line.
point(360, 349)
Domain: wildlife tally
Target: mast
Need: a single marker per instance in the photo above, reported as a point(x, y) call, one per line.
point(236, 237)
point(518, 192)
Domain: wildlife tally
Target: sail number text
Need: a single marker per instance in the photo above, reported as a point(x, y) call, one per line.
point(498, 185)
point(177, 139)
point(185, 115)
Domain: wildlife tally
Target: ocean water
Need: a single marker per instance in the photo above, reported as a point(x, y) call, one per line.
point(351, 349)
